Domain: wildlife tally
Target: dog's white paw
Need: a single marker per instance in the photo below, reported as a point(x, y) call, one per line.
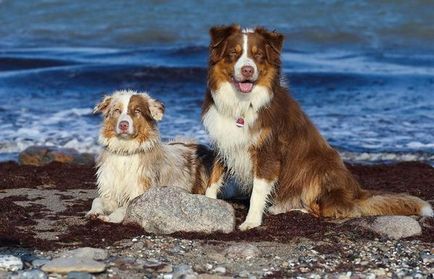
point(93, 215)
point(247, 225)
point(104, 218)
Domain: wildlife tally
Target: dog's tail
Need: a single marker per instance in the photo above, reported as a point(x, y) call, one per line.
point(370, 203)
point(391, 204)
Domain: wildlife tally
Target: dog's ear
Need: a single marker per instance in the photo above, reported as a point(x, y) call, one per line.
point(273, 45)
point(103, 106)
point(156, 108)
point(218, 44)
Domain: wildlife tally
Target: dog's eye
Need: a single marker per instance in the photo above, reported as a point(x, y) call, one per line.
point(233, 54)
point(259, 55)
point(137, 111)
point(117, 111)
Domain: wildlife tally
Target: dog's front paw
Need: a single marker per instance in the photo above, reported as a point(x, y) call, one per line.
point(93, 215)
point(247, 225)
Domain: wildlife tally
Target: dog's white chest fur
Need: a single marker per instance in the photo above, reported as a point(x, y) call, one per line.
point(119, 177)
point(232, 142)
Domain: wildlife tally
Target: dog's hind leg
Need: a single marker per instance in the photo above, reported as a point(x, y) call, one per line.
point(216, 180)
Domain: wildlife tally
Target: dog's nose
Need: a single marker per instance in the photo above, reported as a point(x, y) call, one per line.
point(123, 126)
point(247, 71)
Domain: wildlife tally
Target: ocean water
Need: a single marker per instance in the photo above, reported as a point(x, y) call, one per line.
point(362, 70)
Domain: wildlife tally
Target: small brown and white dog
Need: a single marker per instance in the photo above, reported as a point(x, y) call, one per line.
point(134, 159)
point(269, 145)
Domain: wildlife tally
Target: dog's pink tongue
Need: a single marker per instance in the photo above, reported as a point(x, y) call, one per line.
point(245, 87)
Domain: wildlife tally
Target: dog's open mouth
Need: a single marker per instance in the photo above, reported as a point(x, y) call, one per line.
point(244, 86)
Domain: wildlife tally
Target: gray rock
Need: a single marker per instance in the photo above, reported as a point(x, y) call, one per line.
point(394, 227)
point(242, 250)
point(28, 274)
point(79, 275)
point(165, 210)
point(65, 265)
point(10, 263)
point(86, 252)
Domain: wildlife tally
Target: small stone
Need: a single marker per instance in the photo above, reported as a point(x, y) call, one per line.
point(379, 272)
point(86, 252)
point(28, 274)
point(39, 262)
point(10, 263)
point(242, 250)
point(244, 274)
point(428, 259)
point(184, 271)
point(394, 227)
point(157, 266)
point(208, 266)
point(220, 269)
point(79, 275)
point(165, 210)
point(65, 265)
point(127, 263)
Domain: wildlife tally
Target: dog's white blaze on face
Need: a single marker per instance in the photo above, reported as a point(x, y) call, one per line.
point(125, 100)
point(245, 60)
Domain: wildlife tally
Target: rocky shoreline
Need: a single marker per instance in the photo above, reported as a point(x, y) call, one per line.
point(43, 234)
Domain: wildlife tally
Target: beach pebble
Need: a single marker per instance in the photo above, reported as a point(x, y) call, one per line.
point(10, 263)
point(220, 269)
point(242, 250)
point(165, 210)
point(39, 262)
point(28, 274)
point(43, 155)
point(394, 227)
point(86, 252)
point(184, 271)
point(65, 265)
point(79, 275)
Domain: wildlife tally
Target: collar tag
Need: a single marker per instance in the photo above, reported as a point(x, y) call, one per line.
point(240, 122)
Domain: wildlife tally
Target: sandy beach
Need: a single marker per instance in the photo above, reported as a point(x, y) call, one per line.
point(43, 211)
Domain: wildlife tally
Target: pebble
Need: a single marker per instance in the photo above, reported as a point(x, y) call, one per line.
point(244, 274)
point(220, 269)
point(79, 275)
point(10, 263)
point(39, 262)
point(242, 250)
point(28, 274)
point(86, 252)
point(428, 258)
point(65, 265)
point(394, 227)
point(184, 271)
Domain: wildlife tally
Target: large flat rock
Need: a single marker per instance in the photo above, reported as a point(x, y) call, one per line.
point(165, 210)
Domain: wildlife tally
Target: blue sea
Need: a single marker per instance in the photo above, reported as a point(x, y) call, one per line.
point(362, 70)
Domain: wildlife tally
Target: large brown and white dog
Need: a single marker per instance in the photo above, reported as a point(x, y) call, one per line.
point(269, 145)
point(134, 159)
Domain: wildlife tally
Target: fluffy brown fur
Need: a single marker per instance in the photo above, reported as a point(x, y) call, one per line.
point(287, 149)
point(134, 159)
